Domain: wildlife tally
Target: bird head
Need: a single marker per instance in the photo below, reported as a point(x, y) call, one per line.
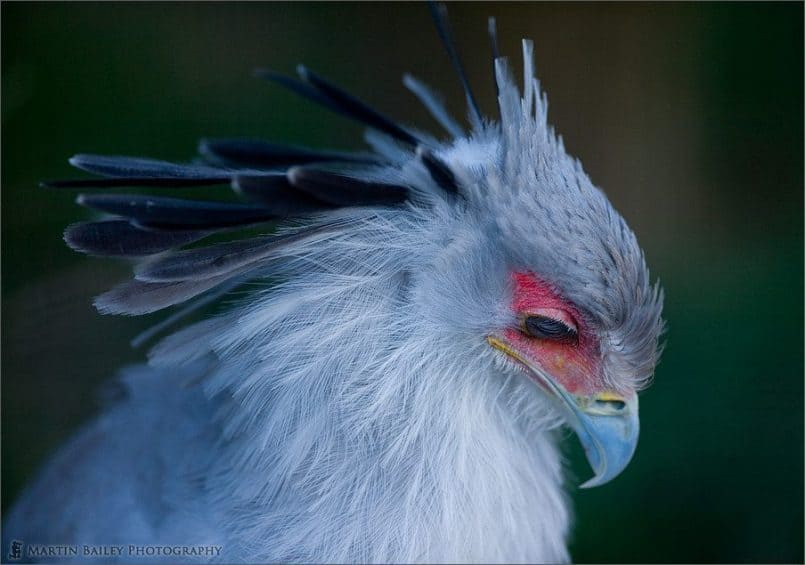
point(541, 267)
point(564, 352)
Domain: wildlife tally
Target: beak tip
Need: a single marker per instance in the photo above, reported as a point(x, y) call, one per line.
point(598, 480)
point(592, 483)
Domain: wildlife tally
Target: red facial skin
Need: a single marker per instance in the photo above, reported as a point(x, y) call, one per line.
point(574, 366)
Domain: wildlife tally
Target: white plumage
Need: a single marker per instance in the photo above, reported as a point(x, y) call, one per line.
point(349, 407)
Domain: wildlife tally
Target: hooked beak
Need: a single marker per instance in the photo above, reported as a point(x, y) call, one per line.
point(606, 423)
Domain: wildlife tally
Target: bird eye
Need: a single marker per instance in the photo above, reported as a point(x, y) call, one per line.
point(543, 327)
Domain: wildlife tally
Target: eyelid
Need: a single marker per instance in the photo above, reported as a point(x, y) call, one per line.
point(554, 314)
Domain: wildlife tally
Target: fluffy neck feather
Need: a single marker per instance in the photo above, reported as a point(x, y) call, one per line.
point(358, 429)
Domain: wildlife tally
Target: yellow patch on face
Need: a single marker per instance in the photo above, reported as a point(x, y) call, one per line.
point(504, 347)
point(609, 396)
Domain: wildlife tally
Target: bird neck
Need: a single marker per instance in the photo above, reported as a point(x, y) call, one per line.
point(353, 428)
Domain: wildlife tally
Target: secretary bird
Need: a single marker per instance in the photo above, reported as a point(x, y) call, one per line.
point(419, 325)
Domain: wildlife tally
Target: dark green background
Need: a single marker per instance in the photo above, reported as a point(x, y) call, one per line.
point(690, 116)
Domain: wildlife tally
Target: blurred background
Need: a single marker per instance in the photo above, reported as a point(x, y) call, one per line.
point(690, 116)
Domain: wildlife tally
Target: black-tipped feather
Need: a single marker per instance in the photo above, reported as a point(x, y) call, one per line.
point(357, 109)
point(127, 182)
point(136, 167)
point(298, 87)
point(439, 12)
point(334, 98)
point(176, 213)
point(260, 154)
point(343, 190)
point(118, 238)
point(134, 171)
point(439, 171)
point(219, 259)
point(277, 193)
point(136, 297)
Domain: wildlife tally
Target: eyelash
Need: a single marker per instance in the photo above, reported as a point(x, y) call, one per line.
point(543, 327)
